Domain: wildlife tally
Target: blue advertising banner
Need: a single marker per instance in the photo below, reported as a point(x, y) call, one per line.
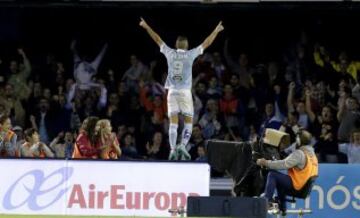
point(336, 193)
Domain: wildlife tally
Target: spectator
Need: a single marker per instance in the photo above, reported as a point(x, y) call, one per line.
point(85, 144)
point(63, 145)
point(348, 116)
point(85, 70)
point(211, 120)
point(129, 148)
point(352, 149)
point(303, 119)
point(13, 106)
point(112, 111)
point(156, 149)
point(201, 152)
point(325, 131)
point(239, 91)
point(322, 58)
point(43, 121)
point(106, 140)
point(134, 73)
point(218, 66)
point(8, 146)
point(240, 68)
point(229, 107)
point(33, 147)
point(156, 107)
point(196, 140)
point(214, 90)
point(271, 119)
point(19, 76)
point(20, 138)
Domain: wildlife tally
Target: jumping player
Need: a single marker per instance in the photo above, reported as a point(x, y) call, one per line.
point(179, 83)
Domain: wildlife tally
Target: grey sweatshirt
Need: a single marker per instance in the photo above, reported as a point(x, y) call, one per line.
point(295, 159)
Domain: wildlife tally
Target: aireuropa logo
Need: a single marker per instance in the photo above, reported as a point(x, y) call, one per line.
point(41, 186)
point(38, 191)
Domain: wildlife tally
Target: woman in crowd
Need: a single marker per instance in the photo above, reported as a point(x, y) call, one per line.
point(85, 144)
point(106, 140)
point(8, 139)
point(33, 147)
point(156, 149)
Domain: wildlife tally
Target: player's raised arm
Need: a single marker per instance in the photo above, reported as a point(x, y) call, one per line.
point(151, 32)
point(210, 39)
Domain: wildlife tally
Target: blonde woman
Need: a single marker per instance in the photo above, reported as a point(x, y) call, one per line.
point(106, 140)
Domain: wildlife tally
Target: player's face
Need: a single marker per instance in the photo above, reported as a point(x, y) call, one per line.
point(182, 44)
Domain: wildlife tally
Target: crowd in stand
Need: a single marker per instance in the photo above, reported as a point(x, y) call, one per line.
point(115, 115)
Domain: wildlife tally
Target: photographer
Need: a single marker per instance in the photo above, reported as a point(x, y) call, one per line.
point(301, 164)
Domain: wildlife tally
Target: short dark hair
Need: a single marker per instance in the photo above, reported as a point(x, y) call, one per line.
point(182, 38)
point(29, 132)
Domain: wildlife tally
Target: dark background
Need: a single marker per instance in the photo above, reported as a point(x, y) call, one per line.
point(262, 29)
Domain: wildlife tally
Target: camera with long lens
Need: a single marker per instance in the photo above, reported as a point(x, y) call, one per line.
point(271, 145)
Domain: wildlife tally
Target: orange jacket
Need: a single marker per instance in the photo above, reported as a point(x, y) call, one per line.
point(111, 152)
point(83, 148)
point(3, 153)
point(300, 176)
point(149, 105)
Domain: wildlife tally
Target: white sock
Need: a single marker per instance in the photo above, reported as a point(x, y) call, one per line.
point(186, 134)
point(173, 135)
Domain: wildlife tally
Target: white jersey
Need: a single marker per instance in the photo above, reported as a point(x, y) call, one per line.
point(180, 64)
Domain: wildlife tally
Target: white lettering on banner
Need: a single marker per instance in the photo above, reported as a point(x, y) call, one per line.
point(335, 189)
point(321, 197)
point(330, 197)
point(119, 198)
point(356, 194)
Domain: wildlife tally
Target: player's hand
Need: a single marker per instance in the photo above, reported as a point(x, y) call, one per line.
point(219, 27)
point(143, 23)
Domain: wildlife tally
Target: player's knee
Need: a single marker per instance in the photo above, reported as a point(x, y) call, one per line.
point(174, 119)
point(188, 119)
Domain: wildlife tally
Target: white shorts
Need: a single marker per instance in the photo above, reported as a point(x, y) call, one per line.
point(180, 101)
